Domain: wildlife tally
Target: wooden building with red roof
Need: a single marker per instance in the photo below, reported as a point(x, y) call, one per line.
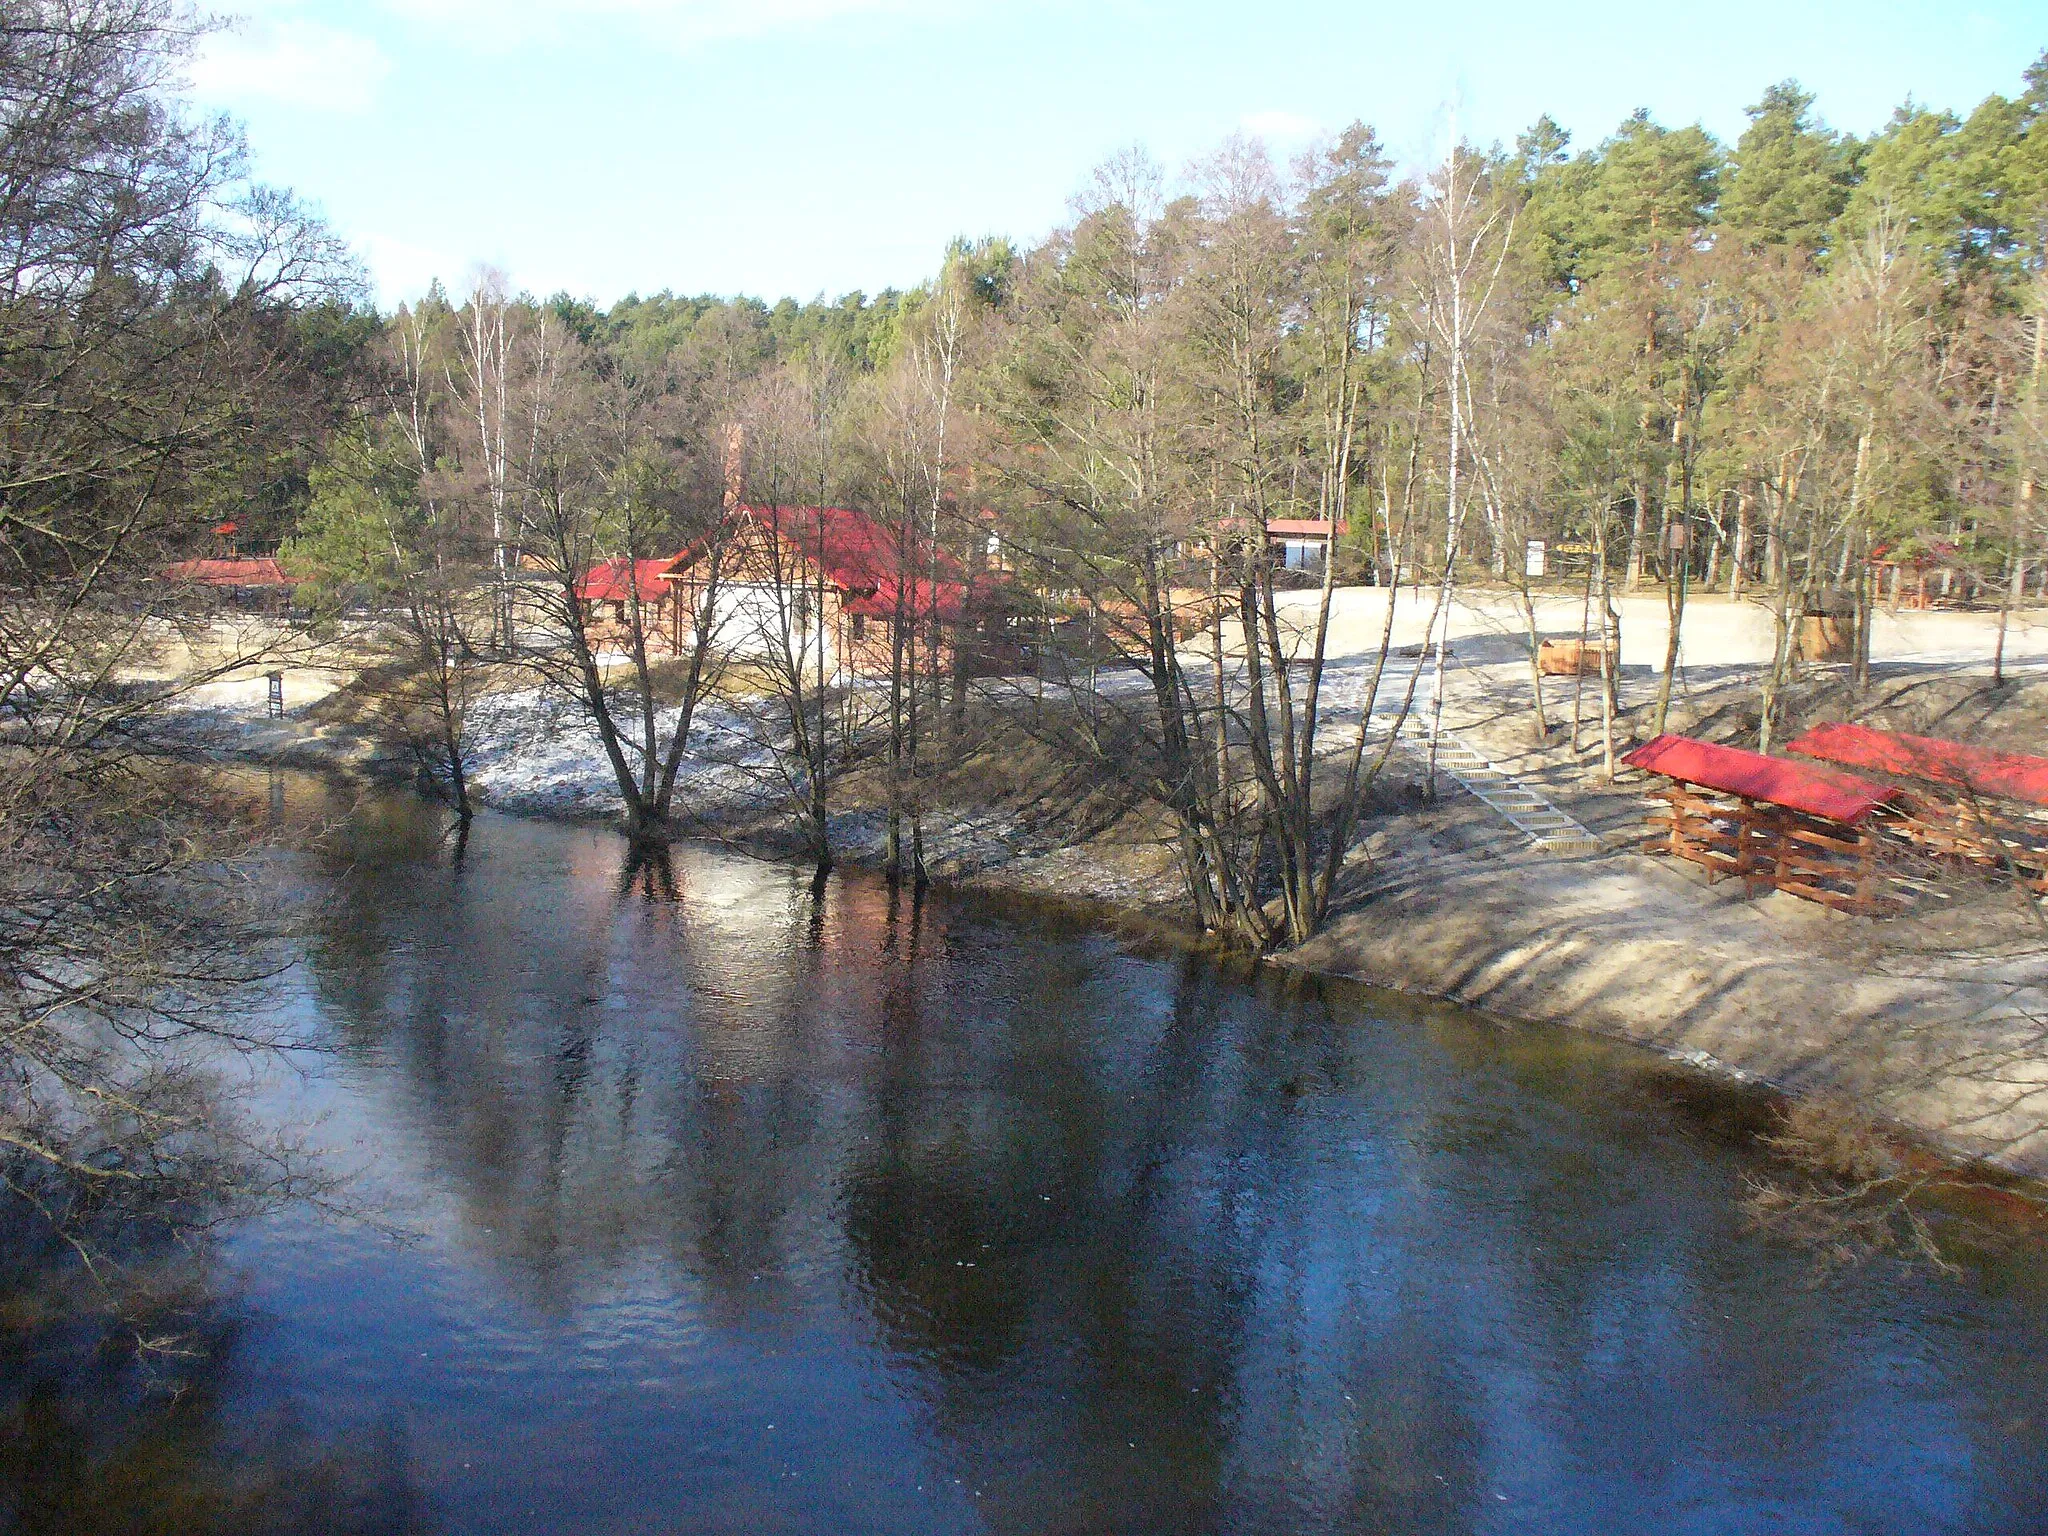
point(798, 578)
point(608, 590)
point(232, 572)
point(244, 581)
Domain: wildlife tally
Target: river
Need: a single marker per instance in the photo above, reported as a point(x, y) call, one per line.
point(730, 1205)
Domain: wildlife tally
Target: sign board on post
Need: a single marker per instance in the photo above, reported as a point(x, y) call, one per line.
point(1533, 558)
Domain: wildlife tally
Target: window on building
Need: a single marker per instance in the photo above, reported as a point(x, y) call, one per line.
point(1302, 554)
point(860, 626)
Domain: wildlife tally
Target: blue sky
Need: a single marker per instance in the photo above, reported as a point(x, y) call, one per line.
point(817, 146)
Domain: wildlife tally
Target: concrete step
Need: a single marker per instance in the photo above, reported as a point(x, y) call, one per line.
point(1548, 829)
point(1568, 846)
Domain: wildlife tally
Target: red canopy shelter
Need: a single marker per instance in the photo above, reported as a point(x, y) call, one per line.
point(1818, 792)
point(1960, 802)
point(1769, 822)
point(2012, 775)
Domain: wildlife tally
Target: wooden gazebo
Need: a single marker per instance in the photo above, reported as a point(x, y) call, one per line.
point(1773, 824)
point(1892, 569)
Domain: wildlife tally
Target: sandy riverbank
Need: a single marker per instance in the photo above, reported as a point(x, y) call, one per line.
point(1936, 1020)
point(1950, 1044)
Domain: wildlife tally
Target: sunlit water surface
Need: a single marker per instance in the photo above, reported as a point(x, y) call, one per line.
point(743, 1207)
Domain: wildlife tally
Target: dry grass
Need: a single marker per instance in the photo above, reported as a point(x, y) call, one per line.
point(1848, 1194)
point(1848, 1189)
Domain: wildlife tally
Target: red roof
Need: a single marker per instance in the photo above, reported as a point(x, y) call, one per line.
point(948, 599)
point(241, 571)
point(862, 557)
point(2012, 775)
point(855, 550)
point(612, 581)
point(1818, 792)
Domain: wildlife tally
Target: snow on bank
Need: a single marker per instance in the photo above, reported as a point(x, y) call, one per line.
point(538, 751)
point(531, 750)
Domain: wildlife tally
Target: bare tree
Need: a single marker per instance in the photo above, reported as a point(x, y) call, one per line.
point(148, 292)
point(479, 375)
point(1211, 375)
point(2029, 432)
point(620, 515)
point(788, 628)
point(1469, 233)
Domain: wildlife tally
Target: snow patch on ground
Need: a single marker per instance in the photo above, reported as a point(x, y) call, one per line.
point(538, 751)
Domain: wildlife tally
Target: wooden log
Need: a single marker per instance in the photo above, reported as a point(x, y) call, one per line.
point(1811, 838)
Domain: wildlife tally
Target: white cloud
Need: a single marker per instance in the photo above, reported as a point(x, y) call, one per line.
point(293, 60)
point(1278, 127)
point(677, 23)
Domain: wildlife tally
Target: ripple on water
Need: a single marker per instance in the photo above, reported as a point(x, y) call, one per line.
point(744, 1208)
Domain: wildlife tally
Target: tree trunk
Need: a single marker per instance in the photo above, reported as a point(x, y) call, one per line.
point(1579, 670)
point(1676, 584)
point(1641, 496)
point(2023, 498)
point(2016, 577)
point(1739, 557)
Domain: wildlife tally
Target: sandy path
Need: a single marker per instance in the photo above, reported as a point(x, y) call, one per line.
point(1716, 632)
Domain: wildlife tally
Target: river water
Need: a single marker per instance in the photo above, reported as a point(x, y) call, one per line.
point(729, 1205)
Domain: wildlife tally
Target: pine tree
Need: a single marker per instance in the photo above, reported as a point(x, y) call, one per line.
point(1790, 176)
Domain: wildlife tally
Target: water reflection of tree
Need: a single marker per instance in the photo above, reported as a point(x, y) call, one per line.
point(96, 1441)
point(1083, 1256)
point(1150, 1248)
point(74, 1464)
point(601, 1058)
point(1062, 1185)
